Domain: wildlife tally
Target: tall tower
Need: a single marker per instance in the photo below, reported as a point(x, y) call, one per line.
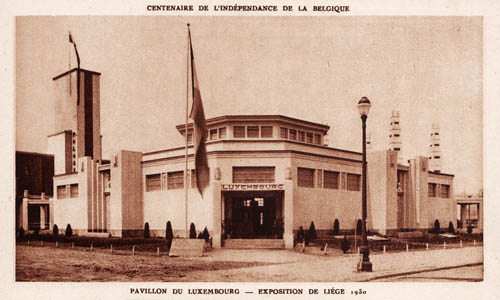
point(435, 149)
point(77, 129)
point(395, 135)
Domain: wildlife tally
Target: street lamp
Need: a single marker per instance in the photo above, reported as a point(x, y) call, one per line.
point(366, 266)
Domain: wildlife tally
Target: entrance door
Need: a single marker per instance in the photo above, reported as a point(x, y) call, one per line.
point(253, 216)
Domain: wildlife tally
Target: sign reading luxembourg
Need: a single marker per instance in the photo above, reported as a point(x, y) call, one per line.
point(252, 187)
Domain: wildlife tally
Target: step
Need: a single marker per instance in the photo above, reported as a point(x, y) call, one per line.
point(254, 244)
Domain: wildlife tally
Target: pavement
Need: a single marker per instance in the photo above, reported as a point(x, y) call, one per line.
point(289, 265)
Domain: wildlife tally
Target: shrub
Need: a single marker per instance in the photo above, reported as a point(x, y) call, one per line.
point(146, 231)
point(169, 234)
point(469, 229)
point(359, 227)
point(55, 230)
point(36, 231)
point(69, 231)
point(300, 234)
point(21, 232)
point(200, 235)
point(307, 238)
point(192, 231)
point(206, 235)
point(345, 244)
point(312, 232)
point(437, 227)
point(336, 227)
point(451, 229)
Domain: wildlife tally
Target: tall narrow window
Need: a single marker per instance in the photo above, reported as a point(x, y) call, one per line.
point(309, 137)
point(293, 134)
point(445, 191)
point(213, 134)
point(305, 177)
point(302, 136)
point(317, 139)
point(431, 189)
point(73, 190)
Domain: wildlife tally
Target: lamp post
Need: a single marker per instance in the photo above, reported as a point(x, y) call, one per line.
point(366, 266)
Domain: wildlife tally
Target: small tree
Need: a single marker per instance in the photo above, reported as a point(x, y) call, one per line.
point(437, 227)
point(469, 229)
point(336, 227)
point(192, 231)
point(206, 235)
point(21, 232)
point(69, 231)
point(300, 234)
point(359, 227)
point(55, 230)
point(312, 232)
point(147, 235)
point(169, 234)
point(451, 229)
point(307, 238)
point(345, 244)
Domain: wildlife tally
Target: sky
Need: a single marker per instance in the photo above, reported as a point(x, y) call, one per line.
point(311, 68)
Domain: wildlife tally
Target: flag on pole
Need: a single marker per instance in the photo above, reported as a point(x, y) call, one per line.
point(72, 41)
point(200, 131)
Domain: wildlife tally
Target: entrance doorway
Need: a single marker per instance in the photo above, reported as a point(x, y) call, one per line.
point(253, 215)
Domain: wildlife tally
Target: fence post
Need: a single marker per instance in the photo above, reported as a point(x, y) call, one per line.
point(56, 244)
point(326, 249)
point(91, 246)
point(72, 245)
point(461, 244)
point(474, 242)
point(357, 250)
point(407, 248)
point(28, 242)
point(427, 246)
point(133, 250)
point(158, 251)
point(384, 249)
point(111, 248)
point(444, 245)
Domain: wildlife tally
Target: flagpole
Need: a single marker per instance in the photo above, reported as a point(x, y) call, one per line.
point(186, 134)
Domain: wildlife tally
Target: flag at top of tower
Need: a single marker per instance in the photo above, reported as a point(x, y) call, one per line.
point(200, 131)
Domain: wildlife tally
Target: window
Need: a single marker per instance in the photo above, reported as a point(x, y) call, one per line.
point(397, 149)
point(444, 191)
point(222, 133)
point(73, 190)
point(293, 134)
point(302, 136)
point(213, 134)
point(239, 131)
point(317, 139)
point(397, 123)
point(253, 174)
point(436, 156)
point(396, 134)
point(330, 180)
point(437, 145)
point(432, 190)
point(283, 133)
point(353, 182)
point(437, 133)
point(320, 179)
point(309, 137)
point(305, 177)
point(266, 131)
point(175, 180)
point(153, 182)
point(253, 131)
point(61, 191)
